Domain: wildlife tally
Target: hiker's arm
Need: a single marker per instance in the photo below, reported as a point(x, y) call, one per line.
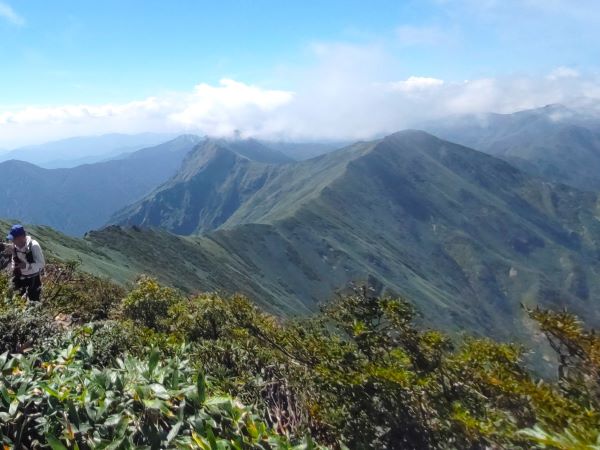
point(38, 257)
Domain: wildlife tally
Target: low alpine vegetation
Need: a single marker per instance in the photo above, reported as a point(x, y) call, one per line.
point(57, 398)
point(97, 367)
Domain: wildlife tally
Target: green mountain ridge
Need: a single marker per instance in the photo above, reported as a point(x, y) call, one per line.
point(75, 200)
point(553, 142)
point(214, 180)
point(464, 235)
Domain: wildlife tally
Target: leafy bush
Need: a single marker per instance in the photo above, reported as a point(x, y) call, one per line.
point(4, 285)
point(201, 317)
point(110, 340)
point(149, 303)
point(364, 374)
point(24, 328)
point(361, 374)
point(576, 424)
point(85, 297)
point(56, 399)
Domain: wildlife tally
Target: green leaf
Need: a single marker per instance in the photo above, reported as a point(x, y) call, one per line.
point(174, 432)
point(112, 421)
point(211, 438)
point(4, 393)
point(160, 391)
point(117, 444)
point(201, 386)
point(54, 443)
point(52, 392)
point(3, 358)
point(153, 361)
point(200, 441)
point(154, 404)
point(14, 406)
point(219, 401)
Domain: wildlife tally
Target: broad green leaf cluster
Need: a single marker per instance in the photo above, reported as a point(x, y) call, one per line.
point(56, 398)
point(152, 368)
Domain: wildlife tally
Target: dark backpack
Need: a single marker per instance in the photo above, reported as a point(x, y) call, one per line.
point(28, 254)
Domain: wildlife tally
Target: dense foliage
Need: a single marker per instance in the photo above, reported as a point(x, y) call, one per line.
point(96, 367)
point(56, 397)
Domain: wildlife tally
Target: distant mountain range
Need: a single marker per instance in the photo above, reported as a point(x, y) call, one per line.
point(465, 236)
point(553, 142)
point(75, 200)
point(76, 151)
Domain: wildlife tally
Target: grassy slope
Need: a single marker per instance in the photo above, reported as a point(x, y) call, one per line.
point(214, 180)
point(188, 263)
point(552, 142)
point(465, 236)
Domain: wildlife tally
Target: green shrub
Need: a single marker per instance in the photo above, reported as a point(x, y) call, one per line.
point(24, 326)
point(56, 399)
point(206, 316)
point(361, 374)
point(85, 297)
point(110, 340)
point(364, 374)
point(573, 423)
point(4, 285)
point(149, 303)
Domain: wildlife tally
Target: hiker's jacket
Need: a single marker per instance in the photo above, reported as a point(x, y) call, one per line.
point(31, 254)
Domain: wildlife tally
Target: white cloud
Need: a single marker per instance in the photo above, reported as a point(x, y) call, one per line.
point(414, 83)
point(230, 106)
point(216, 110)
point(563, 72)
point(350, 92)
point(7, 13)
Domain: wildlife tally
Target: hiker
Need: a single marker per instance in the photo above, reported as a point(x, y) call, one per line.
point(27, 263)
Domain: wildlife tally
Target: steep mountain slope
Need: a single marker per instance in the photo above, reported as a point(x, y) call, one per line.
point(553, 142)
point(81, 198)
point(300, 151)
point(83, 150)
point(464, 235)
point(214, 180)
point(257, 151)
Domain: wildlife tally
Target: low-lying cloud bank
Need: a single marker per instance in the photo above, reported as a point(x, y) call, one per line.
point(332, 102)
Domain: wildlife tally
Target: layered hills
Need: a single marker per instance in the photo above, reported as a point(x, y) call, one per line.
point(76, 151)
point(75, 200)
point(464, 235)
point(553, 142)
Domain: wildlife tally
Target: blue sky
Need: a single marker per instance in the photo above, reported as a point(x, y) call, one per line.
point(58, 54)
